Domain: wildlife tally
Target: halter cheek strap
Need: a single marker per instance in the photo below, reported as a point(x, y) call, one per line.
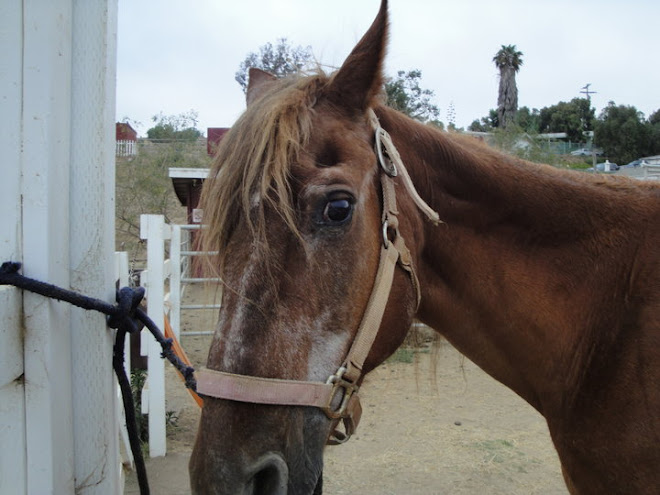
point(337, 397)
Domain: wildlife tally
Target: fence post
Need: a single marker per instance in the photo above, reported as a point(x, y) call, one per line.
point(122, 277)
point(155, 231)
point(175, 281)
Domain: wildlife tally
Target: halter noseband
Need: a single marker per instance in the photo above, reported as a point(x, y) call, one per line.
point(337, 397)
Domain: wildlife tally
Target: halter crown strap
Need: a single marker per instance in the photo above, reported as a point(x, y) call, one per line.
point(392, 164)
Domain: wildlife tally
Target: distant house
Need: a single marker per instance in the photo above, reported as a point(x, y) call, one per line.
point(126, 138)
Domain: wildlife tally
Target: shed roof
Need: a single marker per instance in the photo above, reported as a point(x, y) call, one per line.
point(183, 178)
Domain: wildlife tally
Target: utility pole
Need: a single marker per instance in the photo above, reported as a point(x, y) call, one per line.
point(586, 91)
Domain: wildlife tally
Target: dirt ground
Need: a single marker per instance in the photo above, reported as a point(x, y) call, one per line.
point(436, 425)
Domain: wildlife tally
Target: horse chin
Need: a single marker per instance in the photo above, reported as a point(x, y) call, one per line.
point(289, 459)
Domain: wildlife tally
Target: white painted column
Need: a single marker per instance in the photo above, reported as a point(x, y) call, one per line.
point(56, 135)
point(13, 475)
point(45, 165)
point(91, 228)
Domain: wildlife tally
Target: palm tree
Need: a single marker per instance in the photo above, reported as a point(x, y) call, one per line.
point(508, 60)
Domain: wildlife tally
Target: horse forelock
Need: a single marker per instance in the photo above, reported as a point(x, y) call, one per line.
point(252, 168)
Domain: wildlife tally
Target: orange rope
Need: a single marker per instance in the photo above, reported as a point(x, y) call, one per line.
point(178, 350)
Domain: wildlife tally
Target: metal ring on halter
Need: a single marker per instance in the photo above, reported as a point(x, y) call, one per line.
point(386, 240)
point(346, 388)
point(383, 158)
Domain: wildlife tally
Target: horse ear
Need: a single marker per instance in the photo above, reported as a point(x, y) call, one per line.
point(257, 83)
point(359, 80)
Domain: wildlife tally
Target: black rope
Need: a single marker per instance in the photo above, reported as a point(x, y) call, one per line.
point(126, 317)
point(129, 410)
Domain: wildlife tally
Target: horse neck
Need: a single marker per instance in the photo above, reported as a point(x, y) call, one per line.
point(506, 278)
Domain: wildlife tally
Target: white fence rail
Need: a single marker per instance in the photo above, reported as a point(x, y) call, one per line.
point(126, 148)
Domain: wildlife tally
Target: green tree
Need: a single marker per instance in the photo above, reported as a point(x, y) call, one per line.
point(405, 94)
point(280, 59)
point(486, 124)
point(622, 133)
point(182, 127)
point(508, 61)
point(573, 118)
point(654, 118)
point(654, 131)
point(528, 120)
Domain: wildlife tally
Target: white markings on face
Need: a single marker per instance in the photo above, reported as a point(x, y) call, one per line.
point(327, 350)
point(326, 344)
point(233, 341)
point(303, 332)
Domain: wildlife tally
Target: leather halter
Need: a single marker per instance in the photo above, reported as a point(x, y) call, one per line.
point(337, 397)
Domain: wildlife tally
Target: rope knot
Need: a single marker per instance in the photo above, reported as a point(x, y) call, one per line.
point(9, 267)
point(167, 348)
point(128, 300)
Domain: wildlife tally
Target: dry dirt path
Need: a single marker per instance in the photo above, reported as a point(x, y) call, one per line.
point(450, 431)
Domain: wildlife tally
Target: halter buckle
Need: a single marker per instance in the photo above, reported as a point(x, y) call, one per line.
point(339, 384)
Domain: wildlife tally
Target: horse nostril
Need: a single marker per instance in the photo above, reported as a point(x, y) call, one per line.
point(270, 476)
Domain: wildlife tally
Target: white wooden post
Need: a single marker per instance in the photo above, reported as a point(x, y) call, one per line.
point(121, 275)
point(175, 281)
point(154, 229)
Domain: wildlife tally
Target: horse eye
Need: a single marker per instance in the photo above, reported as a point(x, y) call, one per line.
point(337, 211)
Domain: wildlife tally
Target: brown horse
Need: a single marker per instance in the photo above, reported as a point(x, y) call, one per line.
point(547, 279)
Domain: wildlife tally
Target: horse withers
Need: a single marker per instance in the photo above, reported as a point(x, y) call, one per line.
point(321, 204)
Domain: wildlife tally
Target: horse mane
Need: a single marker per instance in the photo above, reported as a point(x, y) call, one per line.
point(253, 164)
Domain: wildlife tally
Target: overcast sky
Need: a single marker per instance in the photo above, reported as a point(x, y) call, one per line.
point(176, 56)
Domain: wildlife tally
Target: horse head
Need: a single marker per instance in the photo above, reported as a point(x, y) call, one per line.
point(295, 207)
